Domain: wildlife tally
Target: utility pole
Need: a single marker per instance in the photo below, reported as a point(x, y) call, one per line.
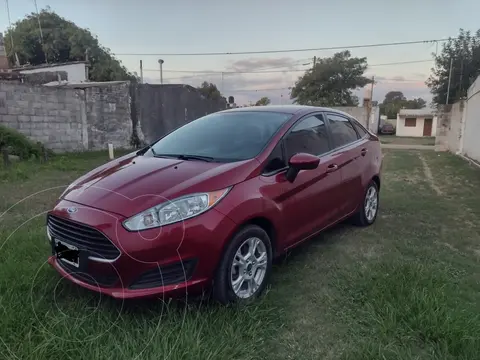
point(314, 61)
point(160, 61)
point(141, 72)
point(368, 103)
point(371, 90)
point(461, 76)
point(449, 80)
point(41, 33)
point(87, 67)
point(371, 99)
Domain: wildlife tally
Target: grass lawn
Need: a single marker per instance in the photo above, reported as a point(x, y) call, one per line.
point(407, 140)
point(407, 287)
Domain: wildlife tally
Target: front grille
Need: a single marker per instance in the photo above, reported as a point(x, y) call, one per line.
point(104, 280)
point(165, 275)
point(82, 236)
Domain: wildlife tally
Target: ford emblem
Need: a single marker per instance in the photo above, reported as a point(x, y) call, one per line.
point(72, 210)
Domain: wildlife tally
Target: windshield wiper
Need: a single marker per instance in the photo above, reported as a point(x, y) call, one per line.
point(187, 157)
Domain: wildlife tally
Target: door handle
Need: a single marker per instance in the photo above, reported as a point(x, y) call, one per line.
point(363, 152)
point(332, 168)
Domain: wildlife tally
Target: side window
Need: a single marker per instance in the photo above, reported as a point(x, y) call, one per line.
point(342, 130)
point(308, 136)
point(275, 160)
point(360, 130)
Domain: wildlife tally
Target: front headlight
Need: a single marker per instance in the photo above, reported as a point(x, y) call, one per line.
point(174, 211)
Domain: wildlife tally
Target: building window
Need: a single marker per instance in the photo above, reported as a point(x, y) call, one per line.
point(410, 122)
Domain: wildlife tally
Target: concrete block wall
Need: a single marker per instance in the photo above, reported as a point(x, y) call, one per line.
point(159, 109)
point(458, 127)
point(443, 124)
point(88, 116)
point(455, 125)
point(108, 116)
point(68, 118)
point(51, 116)
point(470, 144)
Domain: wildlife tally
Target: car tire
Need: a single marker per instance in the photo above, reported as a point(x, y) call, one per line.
point(364, 217)
point(237, 261)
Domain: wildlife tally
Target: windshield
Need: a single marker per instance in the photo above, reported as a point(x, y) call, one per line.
point(229, 136)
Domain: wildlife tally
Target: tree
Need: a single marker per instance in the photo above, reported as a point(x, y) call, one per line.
point(331, 81)
point(210, 91)
point(393, 96)
point(464, 53)
point(395, 100)
point(263, 101)
point(63, 41)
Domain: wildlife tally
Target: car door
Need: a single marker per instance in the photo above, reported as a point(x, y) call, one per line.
point(305, 203)
point(349, 152)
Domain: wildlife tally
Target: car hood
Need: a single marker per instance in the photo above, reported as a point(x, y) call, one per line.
point(131, 184)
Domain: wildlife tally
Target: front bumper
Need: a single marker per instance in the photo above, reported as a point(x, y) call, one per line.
point(166, 261)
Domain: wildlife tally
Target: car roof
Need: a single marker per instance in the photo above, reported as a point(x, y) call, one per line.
point(287, 109)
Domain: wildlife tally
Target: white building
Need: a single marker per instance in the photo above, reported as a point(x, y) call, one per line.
point(76, 70)
point(416, 123)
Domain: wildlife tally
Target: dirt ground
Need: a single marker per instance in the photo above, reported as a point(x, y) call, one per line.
point(405, 140)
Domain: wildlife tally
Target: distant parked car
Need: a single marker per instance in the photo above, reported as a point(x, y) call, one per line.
point(387, 129)
point(209, 205)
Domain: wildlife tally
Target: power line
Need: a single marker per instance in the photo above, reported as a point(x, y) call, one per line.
point(403, 62)
point(228, 72)
point(295, 63)
point(274, 71)
point(287, 50)
point(9, 23)
point(379, 79)
point(260, 69)
point(289, 88)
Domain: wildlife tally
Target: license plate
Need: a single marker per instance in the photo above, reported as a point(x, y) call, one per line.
point(67, 253)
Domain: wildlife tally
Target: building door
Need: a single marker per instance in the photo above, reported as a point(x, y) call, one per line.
point(427, 127)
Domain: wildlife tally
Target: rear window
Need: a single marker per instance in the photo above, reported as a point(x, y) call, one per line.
point(229, 136)
point(360, 130)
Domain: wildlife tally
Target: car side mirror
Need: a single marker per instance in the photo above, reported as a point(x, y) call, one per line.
point(301, 161)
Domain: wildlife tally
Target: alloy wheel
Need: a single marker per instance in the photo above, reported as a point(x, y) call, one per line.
point(249, 267)
point(371, 203)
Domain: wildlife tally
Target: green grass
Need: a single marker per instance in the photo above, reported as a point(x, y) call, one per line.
point(405, 288)
point(407, 140)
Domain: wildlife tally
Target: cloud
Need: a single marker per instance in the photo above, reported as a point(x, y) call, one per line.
point(420, 75)
point(409, 89)
point(398, 78)
point(248, 88)
point(252, 64)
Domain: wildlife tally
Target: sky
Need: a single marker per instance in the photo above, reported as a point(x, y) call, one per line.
point(130, 28)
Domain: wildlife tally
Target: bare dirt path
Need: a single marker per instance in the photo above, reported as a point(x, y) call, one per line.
point(408, 146)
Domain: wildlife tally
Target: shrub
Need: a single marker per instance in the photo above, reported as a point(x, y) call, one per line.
point(19, 144)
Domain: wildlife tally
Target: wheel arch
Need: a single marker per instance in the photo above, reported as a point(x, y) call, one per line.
point(267, 225)
point(260, 221)
point(376, 179)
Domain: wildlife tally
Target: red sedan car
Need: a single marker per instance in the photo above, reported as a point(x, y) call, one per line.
point(208, 206)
